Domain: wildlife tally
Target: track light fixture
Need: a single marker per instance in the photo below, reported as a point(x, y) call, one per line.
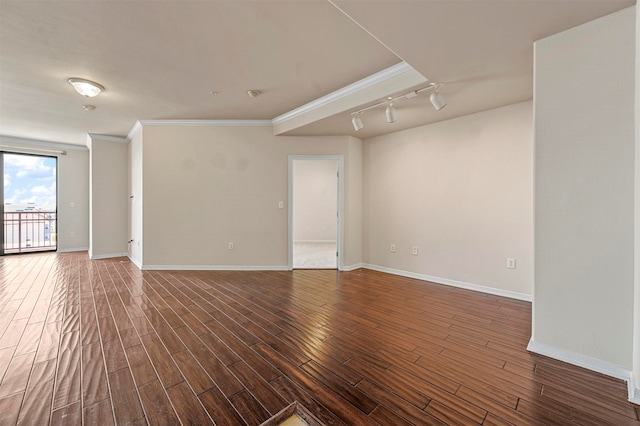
point(436, 98)
point(390, 112)
point(357, 122)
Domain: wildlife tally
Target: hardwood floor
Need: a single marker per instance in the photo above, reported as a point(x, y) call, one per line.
point(101, 342)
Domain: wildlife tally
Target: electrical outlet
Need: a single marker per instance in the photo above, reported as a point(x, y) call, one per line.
point(414, 250)
point(72, 234)
point(393, 248)
point(230, 246)
point(511, 263)
point(281, 204)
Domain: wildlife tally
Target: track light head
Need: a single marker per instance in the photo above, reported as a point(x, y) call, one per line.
point(390, 113)
point(357, 122)
point(437, 100)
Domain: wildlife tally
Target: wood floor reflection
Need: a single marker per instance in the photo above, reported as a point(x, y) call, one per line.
point(101, 342)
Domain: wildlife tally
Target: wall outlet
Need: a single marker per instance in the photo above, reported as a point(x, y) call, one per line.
point(414, 250)
point(72, 204)
point(281, 204)
point(392, 249)
point(511, 263)
point(72, 234)
point(230, 246)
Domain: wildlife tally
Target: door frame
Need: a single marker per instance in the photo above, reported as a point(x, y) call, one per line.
point(340, 213)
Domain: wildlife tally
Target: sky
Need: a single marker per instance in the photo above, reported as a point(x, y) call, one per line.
point(30, 179)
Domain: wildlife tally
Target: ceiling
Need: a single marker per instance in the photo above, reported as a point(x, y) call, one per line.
point(160, 60)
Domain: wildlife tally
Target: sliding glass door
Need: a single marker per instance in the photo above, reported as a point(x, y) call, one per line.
point(29, 207)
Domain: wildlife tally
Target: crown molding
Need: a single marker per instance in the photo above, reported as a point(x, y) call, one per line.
point(108, 138)
point(195, 123)
point(206, 123)
point(33, 143)
point(134, 130)
point(401, 71)
point(358, 86)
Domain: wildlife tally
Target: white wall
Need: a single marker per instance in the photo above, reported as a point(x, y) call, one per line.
point(315, 200)
point(73, 187)
point(460, 190)
point(636, 326)
point(135, 217)
point(207, 186)
point(353, 205)
point(109, 198)
point(584, 197)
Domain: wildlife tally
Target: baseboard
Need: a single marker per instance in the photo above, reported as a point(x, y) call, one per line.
point(599, 366)
point(314, 241)
point(107, 256)
point(135, 261)
point(453, 283)
point(352, 267)
point(71, 250)
point(212, 268)
point(226, 267)
point(634, 391)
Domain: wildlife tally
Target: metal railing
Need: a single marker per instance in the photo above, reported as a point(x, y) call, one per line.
point(30, 231)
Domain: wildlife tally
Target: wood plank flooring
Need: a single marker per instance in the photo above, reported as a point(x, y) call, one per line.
point(101, 342)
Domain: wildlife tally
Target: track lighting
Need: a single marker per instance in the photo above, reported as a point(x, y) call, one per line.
point(390, 113)
point(436, 98)
point(357, 123)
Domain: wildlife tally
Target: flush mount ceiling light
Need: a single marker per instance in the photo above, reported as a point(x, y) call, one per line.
point(254, 93)
point(436, 98)
point(86, 88)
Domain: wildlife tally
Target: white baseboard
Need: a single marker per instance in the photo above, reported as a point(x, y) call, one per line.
point(135, 261)
point(599, 366)
point(314, 241)
point(107, 256)
point(634, 391)
point(352, 267)
point(212, 268)
point(71, 250)
point(453, 283)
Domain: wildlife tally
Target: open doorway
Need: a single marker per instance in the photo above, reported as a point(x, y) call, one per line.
point(29, 207)
point(314, 220)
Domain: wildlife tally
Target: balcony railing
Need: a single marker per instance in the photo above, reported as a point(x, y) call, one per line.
point(29, 231)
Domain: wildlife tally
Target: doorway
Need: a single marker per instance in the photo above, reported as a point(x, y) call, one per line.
point(29, 207)
point(315, 194)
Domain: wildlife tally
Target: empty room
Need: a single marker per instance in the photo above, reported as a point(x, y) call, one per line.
point(320, 212)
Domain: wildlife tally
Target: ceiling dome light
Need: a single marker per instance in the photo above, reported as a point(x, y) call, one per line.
point(86, 87)
point(437, 100)
point(357, 123)
point(391, 113)
point(254, 93)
